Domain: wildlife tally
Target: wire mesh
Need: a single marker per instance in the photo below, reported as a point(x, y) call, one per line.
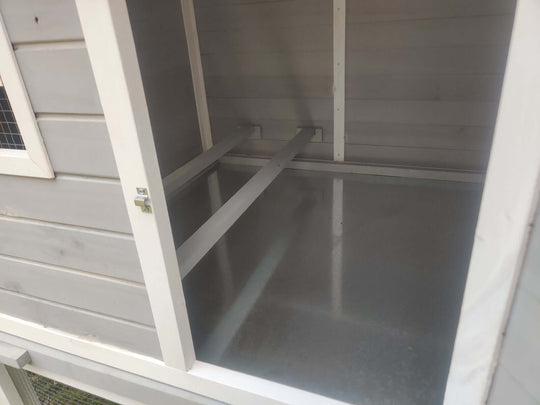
point(50, 392)
point(10, 136)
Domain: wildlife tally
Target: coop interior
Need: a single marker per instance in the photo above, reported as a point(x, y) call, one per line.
point(340, 278)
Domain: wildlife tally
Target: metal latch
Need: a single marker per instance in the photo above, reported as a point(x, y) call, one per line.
point(142, 200)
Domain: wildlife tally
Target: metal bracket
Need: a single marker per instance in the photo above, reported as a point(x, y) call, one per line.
point(142, 200)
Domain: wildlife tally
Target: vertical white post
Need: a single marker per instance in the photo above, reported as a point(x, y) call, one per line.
point(339, 79)
point(337, 246)
point(197, 74)
point(108, 36)
point(8, 392)
point(507, 209)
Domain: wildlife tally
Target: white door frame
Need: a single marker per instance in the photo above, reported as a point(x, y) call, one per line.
point(507, 210)
point(509, 197)
point(109, 39)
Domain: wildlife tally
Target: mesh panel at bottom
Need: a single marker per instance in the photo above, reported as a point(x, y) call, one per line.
point(51, 392)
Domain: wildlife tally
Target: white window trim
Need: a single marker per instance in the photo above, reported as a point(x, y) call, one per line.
point(34, 161)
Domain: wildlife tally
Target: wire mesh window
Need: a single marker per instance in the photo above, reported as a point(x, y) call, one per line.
point(10, 136)
point(50, 392)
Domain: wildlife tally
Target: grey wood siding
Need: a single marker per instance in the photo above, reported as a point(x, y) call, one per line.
point(423, 77)
point(518, 373)
point(67, 255)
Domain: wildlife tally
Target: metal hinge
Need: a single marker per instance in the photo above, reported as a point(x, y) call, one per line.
point(142, 200)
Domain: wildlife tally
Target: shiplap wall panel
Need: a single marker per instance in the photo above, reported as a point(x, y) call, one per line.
point(73, 200)
point(248, 13)
point(481, 87)
point(92, 251)
point(410, 64)
point(92, 326)
point(78, 145)
point(464, 32)
point(425, 157)
point(404, 112)
point(38, 20)
point(68, 253)
point(119, 299)
point(59, 78)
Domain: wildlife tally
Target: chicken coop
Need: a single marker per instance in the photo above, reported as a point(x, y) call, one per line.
point(270, 201)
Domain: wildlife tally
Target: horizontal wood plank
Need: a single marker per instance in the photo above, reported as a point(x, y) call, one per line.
point(451, 32)
point(88, 325)
point(78, 145)
point(58, 78)
point(232, 14)
point(115, 298)
point(475, 160)
point(73, 200)
point(404, 112)
point(109, 254)
point(38, 21)
point(369, 87)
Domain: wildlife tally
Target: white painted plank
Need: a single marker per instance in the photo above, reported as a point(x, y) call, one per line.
point(34, 21)
point(192, 38)
point(364, 169)
point(194, 249)
point(177, 179)
point(318, 12)
point(74, 200)
point(86, 325)
point(368, 87)
point(369, 111)
point(404, 61)
point(446, 32)
point(508, 206)
point(8, 392)
point(58, 78)
point(78, 144)
point(506, 390)
point(94, 251)
point(461, 159)
point(107, 32)
point(108, 296)
point(13, 356)
point(340, 7)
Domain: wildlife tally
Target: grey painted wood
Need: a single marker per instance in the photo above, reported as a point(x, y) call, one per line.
point(507, 390)
point(88, 325)
point(74, 200)
point(58, 78)
point(163, 58)
point(98, 252)
point(78, 145)
point(119, 299)
point(56, 20)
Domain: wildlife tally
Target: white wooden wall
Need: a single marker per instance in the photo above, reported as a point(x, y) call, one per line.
point(67, 256)
point(422, 77)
